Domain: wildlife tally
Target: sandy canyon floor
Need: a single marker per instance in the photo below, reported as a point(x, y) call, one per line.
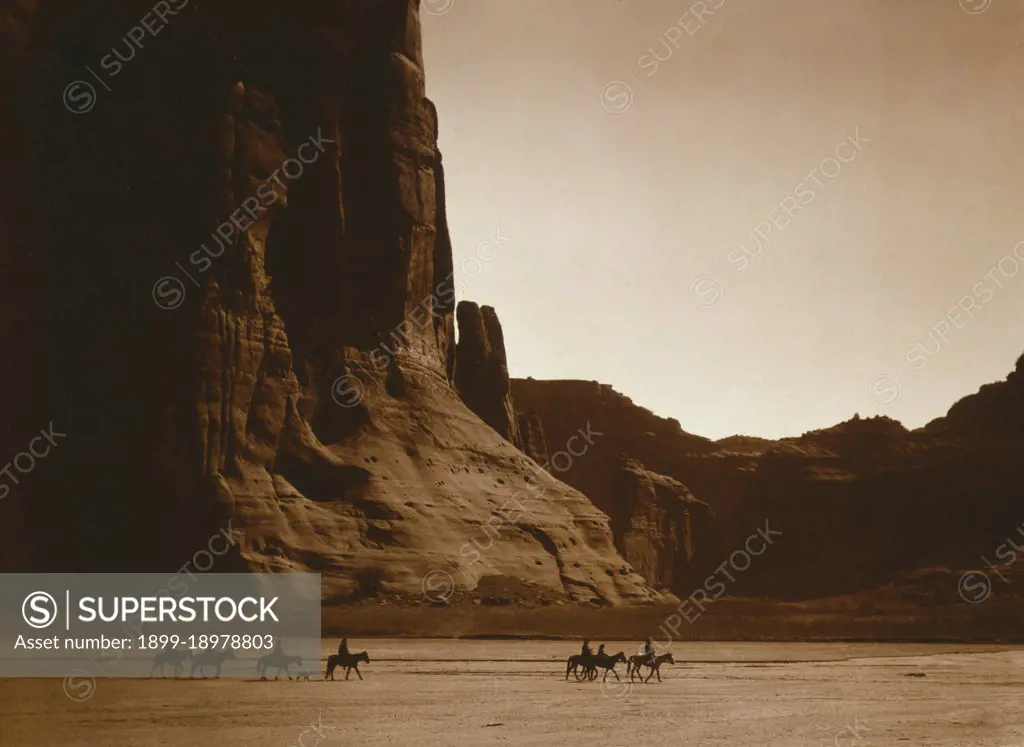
point(423, 692)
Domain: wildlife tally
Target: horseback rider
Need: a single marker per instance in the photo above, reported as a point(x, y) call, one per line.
point(343, 647)
point(586, 652)
point(649, 652)
point(600, 651)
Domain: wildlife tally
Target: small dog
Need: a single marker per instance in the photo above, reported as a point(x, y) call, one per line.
point(303, 675)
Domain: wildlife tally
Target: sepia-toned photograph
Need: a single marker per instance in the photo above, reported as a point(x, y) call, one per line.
point(511, 372)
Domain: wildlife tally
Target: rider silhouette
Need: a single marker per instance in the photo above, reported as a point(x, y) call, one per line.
point(649, 651)
point(343, 647)
point(586, 648)
point(600, 650)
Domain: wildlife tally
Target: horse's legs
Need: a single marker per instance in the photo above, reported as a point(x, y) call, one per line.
point(658, 670)
point(357, 672)
point(348, 671)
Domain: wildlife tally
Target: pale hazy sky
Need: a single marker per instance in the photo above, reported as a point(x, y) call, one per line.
point(624, 263)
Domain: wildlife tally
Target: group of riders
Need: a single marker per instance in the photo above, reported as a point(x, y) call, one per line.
point(588, 653)
point(585, 664)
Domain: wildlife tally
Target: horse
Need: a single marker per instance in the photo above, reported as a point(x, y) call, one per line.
point(348, 661)
point(607, 663)
point(210, 659)
point(278, 661)
point(174, 657)
point(635, 662)
point(580, 666)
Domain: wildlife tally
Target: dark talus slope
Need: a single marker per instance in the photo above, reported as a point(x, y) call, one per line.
point(291, 376)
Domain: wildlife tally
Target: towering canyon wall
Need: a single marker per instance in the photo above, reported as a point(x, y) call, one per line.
point(665, 533)
point(858, 504)
point(241, 310)
point(481, 369)
point(629, 429)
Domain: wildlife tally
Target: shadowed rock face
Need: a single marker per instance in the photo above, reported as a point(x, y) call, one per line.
point(531, 432)
point(867, 500)
point(291, 375)
point(661, 529)
point(481, 369)
point(563, 406)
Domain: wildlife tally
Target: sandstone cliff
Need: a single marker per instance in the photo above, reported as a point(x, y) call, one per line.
point(666, 534)
point(531, 431)
point(859, 504)
point(481, 369)
point(563, 406)
point(250, 311)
